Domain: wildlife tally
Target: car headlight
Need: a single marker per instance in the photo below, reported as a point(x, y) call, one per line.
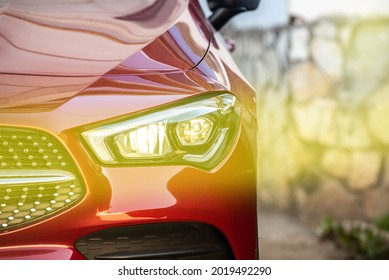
point(200, 132)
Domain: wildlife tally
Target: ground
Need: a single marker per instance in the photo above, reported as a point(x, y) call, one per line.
point(283, 237)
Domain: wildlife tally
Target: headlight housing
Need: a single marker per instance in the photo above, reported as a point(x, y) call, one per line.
point(199, 132)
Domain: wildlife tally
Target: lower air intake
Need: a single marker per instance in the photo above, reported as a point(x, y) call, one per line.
point(37, 177)
point(155, 241)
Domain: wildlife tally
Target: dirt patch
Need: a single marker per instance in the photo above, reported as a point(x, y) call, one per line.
point(283, 237)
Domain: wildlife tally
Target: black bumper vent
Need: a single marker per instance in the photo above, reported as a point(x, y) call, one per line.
point(155, 241)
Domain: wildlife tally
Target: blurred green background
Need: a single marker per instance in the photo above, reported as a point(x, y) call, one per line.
point(320, 69)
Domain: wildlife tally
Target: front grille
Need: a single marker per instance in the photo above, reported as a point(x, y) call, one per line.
point(38, 178)
point(156, 241)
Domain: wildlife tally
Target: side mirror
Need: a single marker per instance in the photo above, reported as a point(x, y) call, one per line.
point(223, 10)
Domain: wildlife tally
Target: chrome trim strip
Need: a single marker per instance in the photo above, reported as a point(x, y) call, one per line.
point(28, 177)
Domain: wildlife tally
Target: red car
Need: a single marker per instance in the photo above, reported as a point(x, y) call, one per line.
point(126, 132)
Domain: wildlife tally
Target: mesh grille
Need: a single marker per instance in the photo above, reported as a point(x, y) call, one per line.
point(37, 177)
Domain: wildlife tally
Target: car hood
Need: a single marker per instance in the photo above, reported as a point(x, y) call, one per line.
point(78, 37)
point(51, 51)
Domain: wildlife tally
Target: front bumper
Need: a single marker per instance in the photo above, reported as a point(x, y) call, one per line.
point(224, 199)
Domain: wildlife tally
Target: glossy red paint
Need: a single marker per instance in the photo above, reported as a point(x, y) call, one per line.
point(141, 65)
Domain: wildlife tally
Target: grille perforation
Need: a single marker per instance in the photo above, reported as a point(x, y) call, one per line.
point(37, 177)
point(30, 148)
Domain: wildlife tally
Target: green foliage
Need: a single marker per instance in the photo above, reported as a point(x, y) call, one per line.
point(382, 222)
point(360, 241)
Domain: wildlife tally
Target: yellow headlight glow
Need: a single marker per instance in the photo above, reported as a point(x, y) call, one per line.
point(198, 132)
point(194, 132)
point(145, 141)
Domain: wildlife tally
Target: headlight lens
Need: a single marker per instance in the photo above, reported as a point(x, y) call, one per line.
point(145, 141)
point(195, 131)
point(199, 133)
